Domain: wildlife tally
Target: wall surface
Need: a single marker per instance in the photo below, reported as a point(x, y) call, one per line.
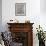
point(43, 14)
point(33, 13)
point(0, 15)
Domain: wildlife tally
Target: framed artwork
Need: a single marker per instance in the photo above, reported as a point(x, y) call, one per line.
point(20, 9)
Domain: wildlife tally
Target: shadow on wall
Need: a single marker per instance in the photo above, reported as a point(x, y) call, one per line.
point(43, 6)
point(0, 15)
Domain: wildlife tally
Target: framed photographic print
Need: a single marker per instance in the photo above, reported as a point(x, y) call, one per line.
point(20, 9)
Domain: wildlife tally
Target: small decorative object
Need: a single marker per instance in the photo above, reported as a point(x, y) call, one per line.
point(11, 20)
point(41, 36)
point(27, 21)
point(20, 9)
point(14, 21)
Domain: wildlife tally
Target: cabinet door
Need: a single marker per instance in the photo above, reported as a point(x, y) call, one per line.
point(20, 37)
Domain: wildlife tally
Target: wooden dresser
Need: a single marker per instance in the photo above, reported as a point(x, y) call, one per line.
point(22, 33)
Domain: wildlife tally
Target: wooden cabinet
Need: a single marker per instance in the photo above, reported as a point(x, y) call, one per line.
point(22, 33)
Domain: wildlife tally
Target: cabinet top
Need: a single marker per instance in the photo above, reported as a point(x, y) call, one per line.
point(19, 23)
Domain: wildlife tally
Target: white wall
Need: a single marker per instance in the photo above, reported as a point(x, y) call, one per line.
point(36, 19)
point(8, 11)
point(34, 12)
point(0, 15)
point(43, 6)
point(43, 13)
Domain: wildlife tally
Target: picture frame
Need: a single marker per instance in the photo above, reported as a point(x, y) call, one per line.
point(20, 9)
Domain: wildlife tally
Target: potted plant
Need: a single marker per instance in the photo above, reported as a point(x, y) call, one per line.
point(41, 36)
